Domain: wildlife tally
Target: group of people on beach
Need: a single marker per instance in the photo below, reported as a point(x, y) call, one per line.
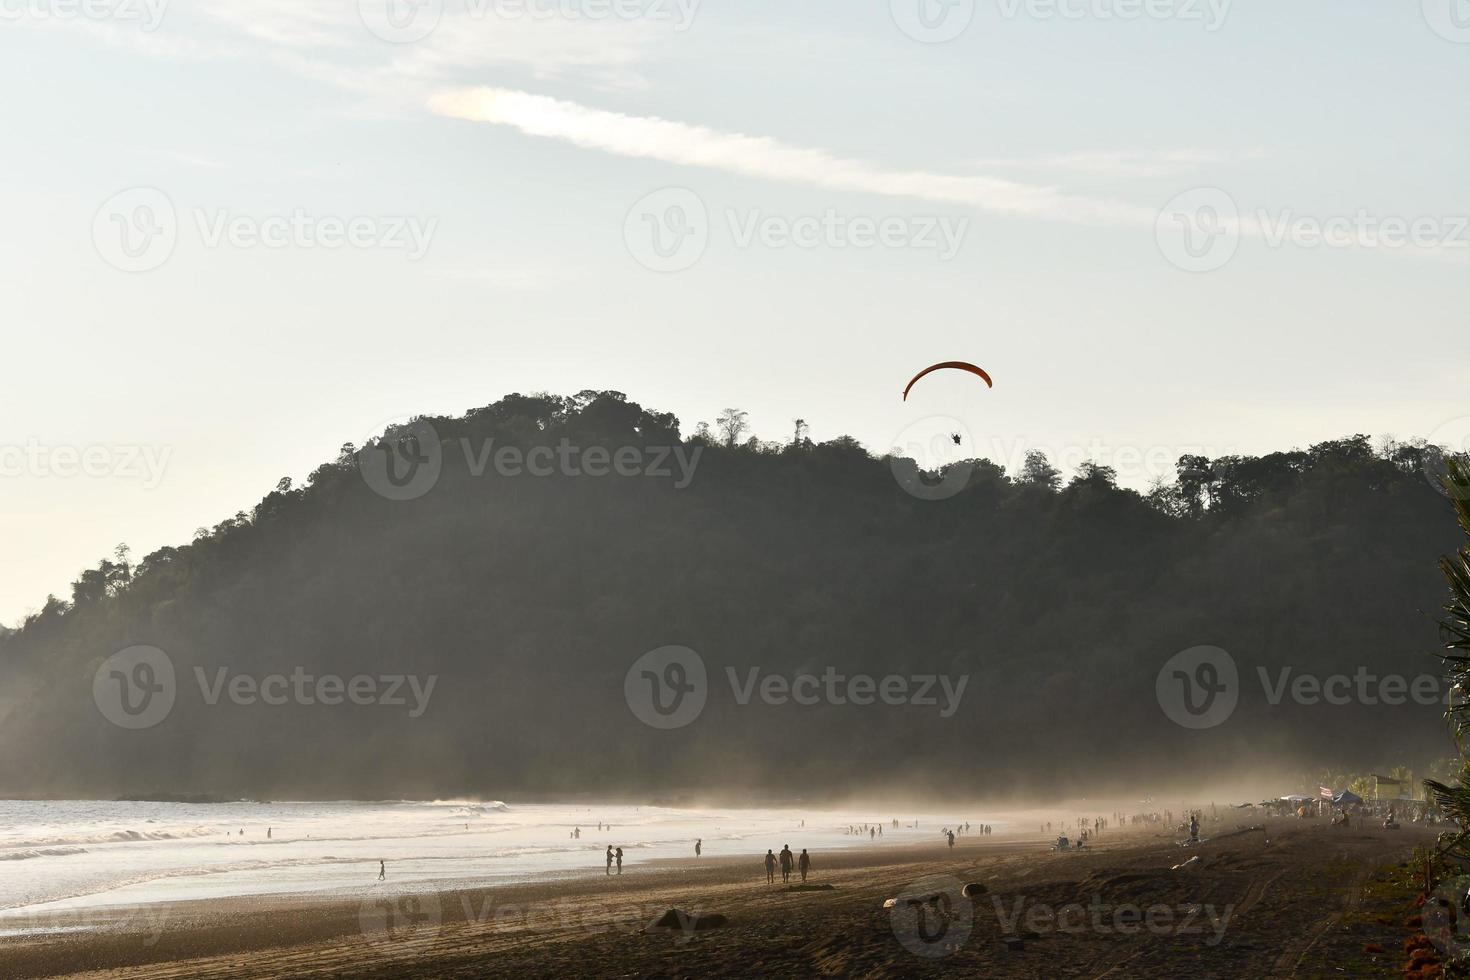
point(961, 829)
point(787, 861)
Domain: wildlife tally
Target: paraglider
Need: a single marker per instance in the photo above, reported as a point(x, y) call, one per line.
point(956, 365)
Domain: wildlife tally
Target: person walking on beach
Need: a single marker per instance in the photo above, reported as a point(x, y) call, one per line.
point(609, 859)
point(804, 863)
point(382, 870)
point(619, 857)
point(770, 867)
point(951, 839)
point(698, 846)
point(787, 860)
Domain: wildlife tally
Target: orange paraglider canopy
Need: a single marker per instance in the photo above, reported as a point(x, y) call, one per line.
point(957, 365)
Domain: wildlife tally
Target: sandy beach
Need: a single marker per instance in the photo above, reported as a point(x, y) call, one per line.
point(1276, 898)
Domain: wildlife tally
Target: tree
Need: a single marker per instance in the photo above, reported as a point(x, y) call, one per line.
point(763, 556)
point(733, 425)
point(800, 435)
point(1095, 474)
point(1037, 471)
point(1455, 635)
point(1195, 476)
point(120, 573)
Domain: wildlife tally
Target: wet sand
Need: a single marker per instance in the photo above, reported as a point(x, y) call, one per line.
point(1284, 899)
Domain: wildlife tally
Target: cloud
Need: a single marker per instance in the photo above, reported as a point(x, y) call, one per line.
point(758, 156)
point(325, 41)
point(1120, 163)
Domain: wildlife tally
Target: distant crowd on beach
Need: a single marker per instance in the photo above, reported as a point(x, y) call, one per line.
point(787, 861)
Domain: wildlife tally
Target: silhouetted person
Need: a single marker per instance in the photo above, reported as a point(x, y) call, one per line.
point(382, 870)
point(787, 860)
point(951, 839)
point(770, 867)
point(698, 846)
point(619, 857)
point(609, 859)
point(804, 863)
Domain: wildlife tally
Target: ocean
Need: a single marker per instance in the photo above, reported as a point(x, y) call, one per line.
point(60, 857)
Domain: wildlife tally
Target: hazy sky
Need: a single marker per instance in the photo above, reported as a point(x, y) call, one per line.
point(238, 233)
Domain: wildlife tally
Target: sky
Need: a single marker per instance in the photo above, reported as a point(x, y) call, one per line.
point(239, 233)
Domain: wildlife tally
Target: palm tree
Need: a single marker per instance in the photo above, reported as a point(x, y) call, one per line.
point(1455, 634)
point(1404, 776)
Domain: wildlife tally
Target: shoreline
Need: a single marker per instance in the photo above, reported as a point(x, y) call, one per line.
point(158, 853)
point(1264, 884)
point(105, 912)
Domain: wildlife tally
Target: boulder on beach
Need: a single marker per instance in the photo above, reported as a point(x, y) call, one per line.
point(679, 919)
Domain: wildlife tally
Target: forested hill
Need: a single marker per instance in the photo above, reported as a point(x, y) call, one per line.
point(529, 597)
